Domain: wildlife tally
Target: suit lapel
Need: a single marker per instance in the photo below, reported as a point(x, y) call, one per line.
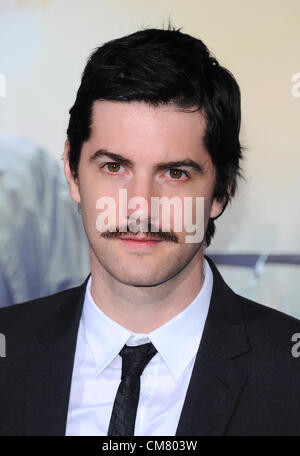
point(215, 386)
point(49, 373)
point(217, 378)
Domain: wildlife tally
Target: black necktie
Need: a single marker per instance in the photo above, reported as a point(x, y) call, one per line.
point(134, 360)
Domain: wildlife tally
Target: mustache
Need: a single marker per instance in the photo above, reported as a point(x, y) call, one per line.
point(168, 236)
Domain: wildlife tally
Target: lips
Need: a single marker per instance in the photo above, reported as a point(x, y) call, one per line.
point(139, 238)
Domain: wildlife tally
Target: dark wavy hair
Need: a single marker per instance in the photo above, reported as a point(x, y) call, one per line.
point(159, 66)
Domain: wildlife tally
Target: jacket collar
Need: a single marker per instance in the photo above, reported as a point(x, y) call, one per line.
point(217, 378)
point(216, 382)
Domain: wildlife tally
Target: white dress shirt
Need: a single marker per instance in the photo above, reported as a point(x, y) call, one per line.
point(164, 381)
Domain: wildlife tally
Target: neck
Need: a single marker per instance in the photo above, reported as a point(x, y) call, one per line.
point(143, 309)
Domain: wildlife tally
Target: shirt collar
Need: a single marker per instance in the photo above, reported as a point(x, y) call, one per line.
point(177, 340)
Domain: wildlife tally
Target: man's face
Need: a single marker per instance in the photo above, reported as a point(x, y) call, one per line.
point(146, 139)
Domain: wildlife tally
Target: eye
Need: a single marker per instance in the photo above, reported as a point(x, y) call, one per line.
point(113, 167)
point(176, 173)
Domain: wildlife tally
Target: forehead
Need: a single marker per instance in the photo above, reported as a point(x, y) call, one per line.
point(132, 127)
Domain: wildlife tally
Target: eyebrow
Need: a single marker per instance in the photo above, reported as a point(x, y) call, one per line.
point(159, 166)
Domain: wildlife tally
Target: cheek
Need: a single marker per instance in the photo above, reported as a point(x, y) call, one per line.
point(197, 208)
point(91, 189)
point(89, 197)
point(207, 207)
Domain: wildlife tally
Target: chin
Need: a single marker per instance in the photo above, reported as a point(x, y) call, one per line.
point(141, 280)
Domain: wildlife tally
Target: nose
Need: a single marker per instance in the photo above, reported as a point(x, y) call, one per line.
point(139, 193)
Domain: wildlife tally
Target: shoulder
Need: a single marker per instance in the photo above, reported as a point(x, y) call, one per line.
point(273, 334)
point(269, 330)
point(247, 309)
point(256, 312)
point(35, 312)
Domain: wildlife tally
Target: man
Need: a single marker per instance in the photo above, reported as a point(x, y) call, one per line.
point(153, 342)
point(40, 225)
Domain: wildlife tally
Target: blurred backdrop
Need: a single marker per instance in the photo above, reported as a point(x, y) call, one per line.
point(44, 48)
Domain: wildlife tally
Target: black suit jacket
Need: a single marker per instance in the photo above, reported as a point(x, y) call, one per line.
point(245, 380)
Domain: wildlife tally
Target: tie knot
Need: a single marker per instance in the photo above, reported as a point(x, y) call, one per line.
point(135, 358)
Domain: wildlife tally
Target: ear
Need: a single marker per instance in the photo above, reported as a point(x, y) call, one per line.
point(218, 206)
point(72, 182)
